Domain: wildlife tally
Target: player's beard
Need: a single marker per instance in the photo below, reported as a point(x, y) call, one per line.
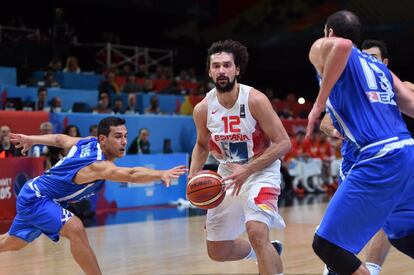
point(227, 87)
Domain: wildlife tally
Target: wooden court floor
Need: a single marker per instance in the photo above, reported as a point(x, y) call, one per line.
point(177, 246)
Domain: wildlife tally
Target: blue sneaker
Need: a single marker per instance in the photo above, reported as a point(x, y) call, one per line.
point(278, 246)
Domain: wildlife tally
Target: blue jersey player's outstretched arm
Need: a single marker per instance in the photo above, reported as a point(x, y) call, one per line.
point(329, 57)
point(99, 170)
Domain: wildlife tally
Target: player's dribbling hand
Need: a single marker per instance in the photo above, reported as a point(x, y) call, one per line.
point(174, 173)
point(21, 141)
point(238, 176)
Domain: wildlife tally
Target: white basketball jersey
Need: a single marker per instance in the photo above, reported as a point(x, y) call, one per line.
point(235, 134)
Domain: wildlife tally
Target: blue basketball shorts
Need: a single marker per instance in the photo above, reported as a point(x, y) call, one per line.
point(37, 214)
point(344, 170)
point(377, 193)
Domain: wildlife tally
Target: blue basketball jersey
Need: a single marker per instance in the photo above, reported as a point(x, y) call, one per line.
point(363, 102)
point(57, 182)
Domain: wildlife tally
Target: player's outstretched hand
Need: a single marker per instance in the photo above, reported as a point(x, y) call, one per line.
point(21, 141)
point(238, 176)
point(174, 173)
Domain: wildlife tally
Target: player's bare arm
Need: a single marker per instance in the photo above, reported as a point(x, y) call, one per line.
point(328, 128)
point(200, 151)
point(409, 85)
point(405, 96)
point(25, 142)
point(266, 117)
point(329, 56)
point(107, 170)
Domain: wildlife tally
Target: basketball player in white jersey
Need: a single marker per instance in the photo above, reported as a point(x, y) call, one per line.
point(237, 124)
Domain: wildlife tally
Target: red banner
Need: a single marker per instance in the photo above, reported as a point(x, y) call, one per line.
point(23, 122)
point(292, 126)
point(14, 172)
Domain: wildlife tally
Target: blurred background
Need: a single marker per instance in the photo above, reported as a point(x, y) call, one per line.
point(278, 34)
point(64, 65)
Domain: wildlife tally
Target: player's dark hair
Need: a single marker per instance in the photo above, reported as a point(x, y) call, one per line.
point(345, 24)
point(105, 124)
point(239, 51)
point(367, 44)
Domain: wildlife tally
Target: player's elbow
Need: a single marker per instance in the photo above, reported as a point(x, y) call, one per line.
point(285, 145)
point(60, 140)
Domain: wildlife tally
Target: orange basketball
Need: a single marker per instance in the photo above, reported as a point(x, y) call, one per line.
point(205, 189)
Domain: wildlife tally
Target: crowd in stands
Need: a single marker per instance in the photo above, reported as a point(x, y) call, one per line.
point(118, 93)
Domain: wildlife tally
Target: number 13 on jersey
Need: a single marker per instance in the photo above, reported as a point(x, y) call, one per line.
point(231, 123)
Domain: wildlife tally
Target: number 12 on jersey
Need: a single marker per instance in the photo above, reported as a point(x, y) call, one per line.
point(230, 124)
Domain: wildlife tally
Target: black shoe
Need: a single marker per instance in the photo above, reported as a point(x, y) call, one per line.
point(278, 246)
point(331, 272)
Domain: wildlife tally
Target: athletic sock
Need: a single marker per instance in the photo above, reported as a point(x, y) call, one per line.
point(251, 255)
point(373, 269)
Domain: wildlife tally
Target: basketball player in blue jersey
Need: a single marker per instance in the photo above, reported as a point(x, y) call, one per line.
point(365, 99)
point(40, 204)
point(379, 246)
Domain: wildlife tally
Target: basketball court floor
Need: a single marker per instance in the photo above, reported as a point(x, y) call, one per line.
point(171, 241)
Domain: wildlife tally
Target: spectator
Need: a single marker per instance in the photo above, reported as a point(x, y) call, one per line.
point(131, 86)
point(186, 108)
point(126, 70)
point(72, 65)
point(184, 76)
point(300, 148)
point(52, 154)
point(108, 86)
point(291, 98)
point(55, 65)
point(56, 105)
point(159, 73)
point(103, 105)
point(286, 112)
point(142, 71)
point(50, 80)
point(4, 131)
point(132, 102)
point(93, 130)
point(154, 107)
point(173, 88)
point(7, 149)
point(41, 101)
point(148, 86)
point(140, 145)
point(167, 149)
point(38, 150)
point(196, 96)
point(118, 106)
point(72, 131)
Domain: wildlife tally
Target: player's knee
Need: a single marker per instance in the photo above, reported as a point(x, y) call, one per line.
point(8, 243)
point(216, 255)
point(73, 229)
point(337, 258)
point(405, 244)
point(217, 252)
point(257, 234)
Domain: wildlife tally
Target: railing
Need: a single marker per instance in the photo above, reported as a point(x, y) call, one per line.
point(28, 31)
point(118, 55)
